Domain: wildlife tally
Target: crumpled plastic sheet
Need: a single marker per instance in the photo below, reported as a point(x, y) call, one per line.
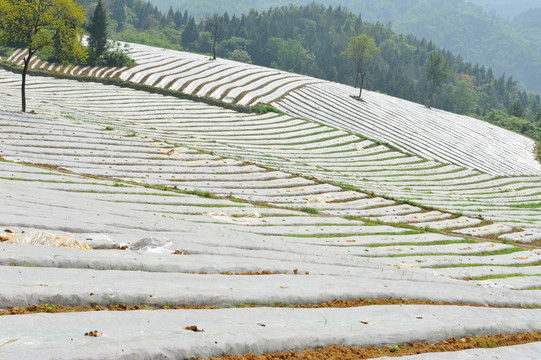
point(44, 238)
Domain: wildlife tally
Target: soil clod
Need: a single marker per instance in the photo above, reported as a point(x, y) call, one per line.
point(94, 333)
point(193, 328)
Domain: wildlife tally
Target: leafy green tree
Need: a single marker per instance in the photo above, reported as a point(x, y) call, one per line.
point(436, 68)
point(288, 55)
point(97, 30)
point(241, 56)
point(227, 47)
point(359, 49)
point(465, 98)
point(40, 25)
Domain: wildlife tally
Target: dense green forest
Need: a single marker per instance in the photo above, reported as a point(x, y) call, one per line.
point(310, 39)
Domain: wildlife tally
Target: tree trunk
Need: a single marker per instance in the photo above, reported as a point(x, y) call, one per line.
point(23, 84)
point(361, 87)
point(429, 105)
point(214, 49)
point(357, 72)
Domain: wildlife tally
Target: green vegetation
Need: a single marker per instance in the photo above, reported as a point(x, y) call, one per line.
point(410, 232)
point(538, 263)
point(359, 49)
point(504, 276)
point(530, 127)
point(52, 27)
point(309, 40)
point(478, 34)
point(526, 206)
point(5, 52)
point(264, 108)
point(101, 52)
point(205, 194)
point(486, 253)
point(309, 210)
point(430, 243)
point(97, 31)
point(436, 68)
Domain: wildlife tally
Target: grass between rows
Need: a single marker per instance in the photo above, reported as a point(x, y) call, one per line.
point(336, 303)
point(485, 253)
point(537, 263)
point(409, 229)
point(501, 276)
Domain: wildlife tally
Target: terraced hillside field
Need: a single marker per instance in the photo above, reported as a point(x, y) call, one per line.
point(408, 126)
point(209, 221)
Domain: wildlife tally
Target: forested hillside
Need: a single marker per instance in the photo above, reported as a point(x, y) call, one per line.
point(310, 39)
point(478, 36)
point(479, 30)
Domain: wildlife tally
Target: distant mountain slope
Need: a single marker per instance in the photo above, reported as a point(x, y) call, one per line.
point(478, 37)
point(507, 9)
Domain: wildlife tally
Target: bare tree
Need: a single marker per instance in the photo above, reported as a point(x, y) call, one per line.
point(213, 26)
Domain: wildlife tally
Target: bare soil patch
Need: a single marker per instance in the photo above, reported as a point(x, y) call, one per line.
point(350, 353)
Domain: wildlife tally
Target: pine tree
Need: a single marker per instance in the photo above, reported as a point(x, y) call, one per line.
point(190, 33)
point(97, 30)
point(437, 70)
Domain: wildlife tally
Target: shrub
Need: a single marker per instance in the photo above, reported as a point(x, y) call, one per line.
point(264, 108)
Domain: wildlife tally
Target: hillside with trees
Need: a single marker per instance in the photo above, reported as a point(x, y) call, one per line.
point(481, 31)
point(311, 39)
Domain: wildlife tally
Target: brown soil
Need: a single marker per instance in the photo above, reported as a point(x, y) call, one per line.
point(336, 303)
point(46, 308)
point(264, 272)
point(49, 308)
point(94, 333)
point(7, 235)
point(193, 328)
point(347, 353)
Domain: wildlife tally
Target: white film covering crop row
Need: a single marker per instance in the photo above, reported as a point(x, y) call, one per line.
point(234, 210)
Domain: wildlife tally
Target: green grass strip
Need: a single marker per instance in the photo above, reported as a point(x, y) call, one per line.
point(486, 253)
point(429, 243)
point(537, 263)
point(503, 276)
